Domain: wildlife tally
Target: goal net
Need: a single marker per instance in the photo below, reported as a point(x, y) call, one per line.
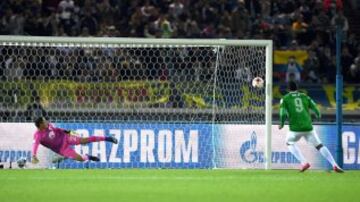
point(172, 103)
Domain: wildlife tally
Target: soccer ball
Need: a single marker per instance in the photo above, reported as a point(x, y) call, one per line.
point(21, 162)
point(258, 82)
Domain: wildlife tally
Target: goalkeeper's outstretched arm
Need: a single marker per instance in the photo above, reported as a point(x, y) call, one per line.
point(35, 147)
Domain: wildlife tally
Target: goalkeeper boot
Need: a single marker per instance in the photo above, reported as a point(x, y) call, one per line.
point(93, 158)
point(305, 167)
point(337, 169)
point(111, 139)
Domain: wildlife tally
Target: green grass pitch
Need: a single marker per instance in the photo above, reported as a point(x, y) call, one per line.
point(178, 185)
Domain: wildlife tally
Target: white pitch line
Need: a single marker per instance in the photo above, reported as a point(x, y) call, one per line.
point(121, 178)
point(150, 178)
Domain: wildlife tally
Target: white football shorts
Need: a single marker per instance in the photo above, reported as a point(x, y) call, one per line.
point(310, 137)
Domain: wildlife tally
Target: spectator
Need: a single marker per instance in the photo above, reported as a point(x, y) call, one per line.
point(293, 72)
point(282, 30)
point(48, 25)
point(329, 4)
point(66, 6)
point(253, 7)
point(353, 74)
point(324, 54)
point(305, 11)
point(346, 59)
point(274, 7)
point(352, 43)
point(226, 19)
point(311, 68)
point(14, 68)
point(341, 20)
point(106, 12)
point(85, 32)
point(67, 19)
point(147, 10)
point(324, 20)
point(208, 31)
point(176, 8)
point(137, 23)
point(13, 23)
point(240, 20)
point(164, 26)
point(89, 22)
point(330, 72)
point(299, 29)
point(286, 6)
point(266, 8)
point(35, 109)
point(193, 30)
point(208, 14)
point(224, 32)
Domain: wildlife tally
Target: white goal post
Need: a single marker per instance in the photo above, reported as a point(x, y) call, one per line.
point(182, 81)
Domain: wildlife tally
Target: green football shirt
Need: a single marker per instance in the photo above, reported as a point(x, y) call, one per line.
point(296, 107)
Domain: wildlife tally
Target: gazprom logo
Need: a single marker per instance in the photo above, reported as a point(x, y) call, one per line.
point(250, 154)
point(248, 151)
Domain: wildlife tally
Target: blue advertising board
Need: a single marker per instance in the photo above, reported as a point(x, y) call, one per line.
point(153, 145)
point(144, 145)
point(350, 143)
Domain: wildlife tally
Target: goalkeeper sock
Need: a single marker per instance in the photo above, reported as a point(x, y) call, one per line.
point(297, 153)
point(85, 157)
point(111, 139)
point(96, 138)
point(326, 154)
point(90, 158)
point(93, 158)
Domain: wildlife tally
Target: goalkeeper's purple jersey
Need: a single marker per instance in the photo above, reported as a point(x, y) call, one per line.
point(52, 138)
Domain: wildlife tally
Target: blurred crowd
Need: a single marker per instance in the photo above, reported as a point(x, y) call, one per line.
point(292, 24)
point(107, 64)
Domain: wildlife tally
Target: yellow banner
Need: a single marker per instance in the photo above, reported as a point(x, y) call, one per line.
point(282, 57)
point(132, 94)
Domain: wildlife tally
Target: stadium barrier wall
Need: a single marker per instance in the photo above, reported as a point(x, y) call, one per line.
point(180, 146)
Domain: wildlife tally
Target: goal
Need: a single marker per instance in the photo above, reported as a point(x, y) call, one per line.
point(172, 103)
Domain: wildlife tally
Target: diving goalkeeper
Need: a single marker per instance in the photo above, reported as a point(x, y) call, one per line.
point(60, 140)
point(296, 107)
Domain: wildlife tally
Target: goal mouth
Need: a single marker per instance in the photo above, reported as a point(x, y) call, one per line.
point(166, 84)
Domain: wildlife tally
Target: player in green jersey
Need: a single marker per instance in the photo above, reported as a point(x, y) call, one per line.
point(295, 106)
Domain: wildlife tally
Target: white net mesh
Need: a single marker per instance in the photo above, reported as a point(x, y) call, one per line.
point(161, 100)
